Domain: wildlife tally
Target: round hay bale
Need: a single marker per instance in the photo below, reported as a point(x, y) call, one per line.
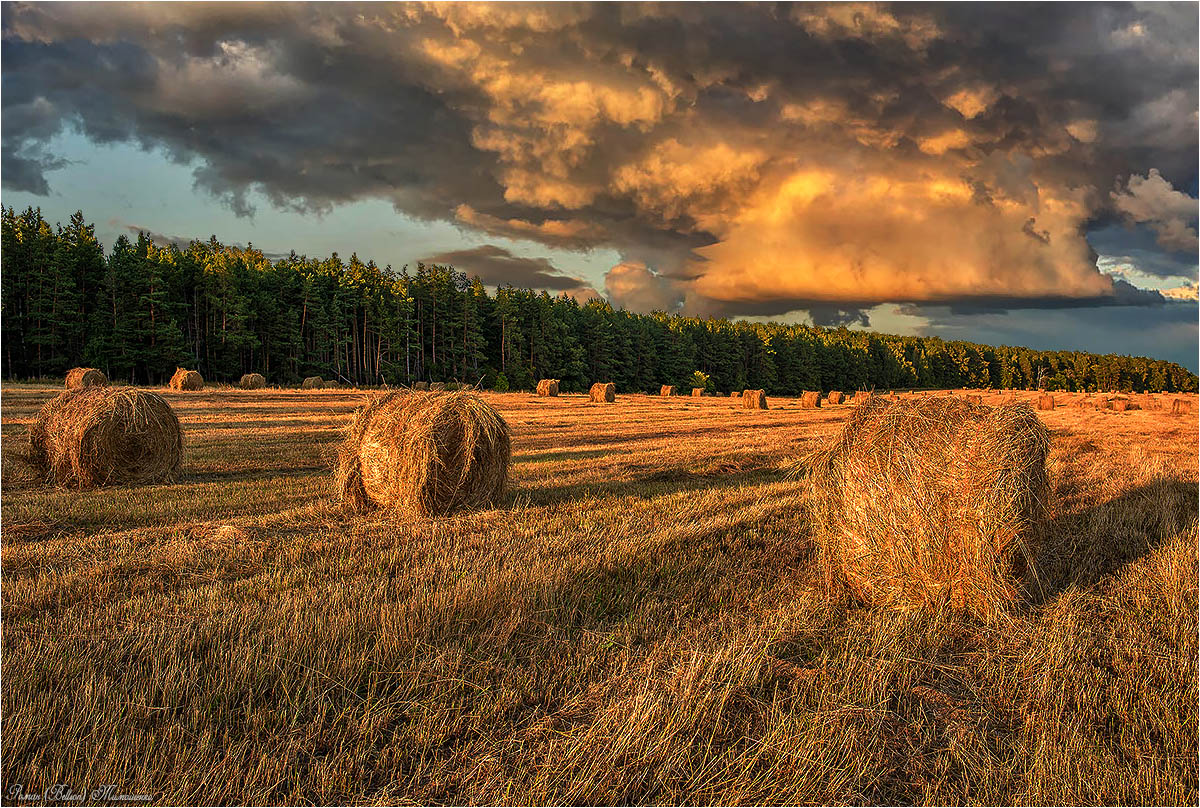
point(810, 400)
point(253, 381)
point(548, 388)
point(97, 436)
point(85, 377)
point(1180, 406)
point(437, 387)
point(424, 454)
point(930, 501)
point(187, 380)
point(1045, 402)
point(667, 390)
point(312, 383)
point(835, 397)
point(1121, 404)
point(697, 392)
point(754, 400)
point(603, 393)
point(424, 386)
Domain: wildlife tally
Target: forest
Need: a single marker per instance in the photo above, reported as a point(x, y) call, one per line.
point(141, 309)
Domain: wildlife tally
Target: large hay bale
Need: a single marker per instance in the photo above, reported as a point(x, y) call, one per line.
point(312, 383)
point(697, 392)
point(1180, 406)
point(547, 387)
point(96, 436)
point(424, 454)
point(810, 400)
point(754, 400)
point(187, 380)
point(603, 392)
point(437, 387)
point(253, 381)
point(85, 377)
point(667, 390)
point(1045, 402)
point(930, 501)
point(835, 397)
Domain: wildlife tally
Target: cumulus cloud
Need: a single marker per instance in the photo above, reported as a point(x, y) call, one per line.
point(1171, 213)
point(742, 160)
point(635, 286)
point(496, 266)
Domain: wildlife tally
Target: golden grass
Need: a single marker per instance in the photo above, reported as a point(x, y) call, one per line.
point(639, 620)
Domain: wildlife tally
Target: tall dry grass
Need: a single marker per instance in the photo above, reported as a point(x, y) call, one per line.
point(640, 620)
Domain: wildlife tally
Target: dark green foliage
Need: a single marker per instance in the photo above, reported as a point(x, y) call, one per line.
point(226, 311)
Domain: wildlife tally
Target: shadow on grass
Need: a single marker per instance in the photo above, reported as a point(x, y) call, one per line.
point(658, 483)
point(1081, 547)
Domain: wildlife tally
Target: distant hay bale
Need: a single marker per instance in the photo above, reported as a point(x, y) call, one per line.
point(1150, 402)
point(547, 387)
point(928, 501)
point(437, 387)
point(187, 380)
point(1121, 404)
point(667, 390)
point(1180, 406)
point(810, 400)
point(1045, 402)
point(603, 392)
point(754, 400)
point(836, 397)
point(97, 436)
point(424, 386)
point(331, 384)
point(424, 454)
point(253, 381)
point(312, 383)
point(85, 377)
point(697, 392)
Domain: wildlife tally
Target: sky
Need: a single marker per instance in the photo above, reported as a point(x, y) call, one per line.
point(1010, 174)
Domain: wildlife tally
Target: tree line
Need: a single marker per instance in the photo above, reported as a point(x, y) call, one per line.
point(142, 309)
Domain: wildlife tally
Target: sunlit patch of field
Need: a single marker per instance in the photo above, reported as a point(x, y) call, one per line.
point(639, 621)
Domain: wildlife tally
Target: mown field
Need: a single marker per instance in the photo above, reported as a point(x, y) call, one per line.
point(640, 621)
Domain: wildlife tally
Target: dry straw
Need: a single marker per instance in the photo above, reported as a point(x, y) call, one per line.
point(697, 392)
point(253, 381)
point(424, 454)
point(836, 397)
point(437, 387)
point(754, 400)
point(548, 387)
point(85, 377)
point(312, 383)
point(421, 386)
point(667, 390)
point(104, 436)
point(810, 400)
point(1180, 406)
point(1045, 402)
point(973, 399)
point(603, 392)
point(187, 380)
point(932, 501)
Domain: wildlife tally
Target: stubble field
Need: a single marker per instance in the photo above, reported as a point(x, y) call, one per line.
point(640, 621)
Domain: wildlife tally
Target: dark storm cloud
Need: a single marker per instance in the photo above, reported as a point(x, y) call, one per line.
point(742, 159)
point(496, 266)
